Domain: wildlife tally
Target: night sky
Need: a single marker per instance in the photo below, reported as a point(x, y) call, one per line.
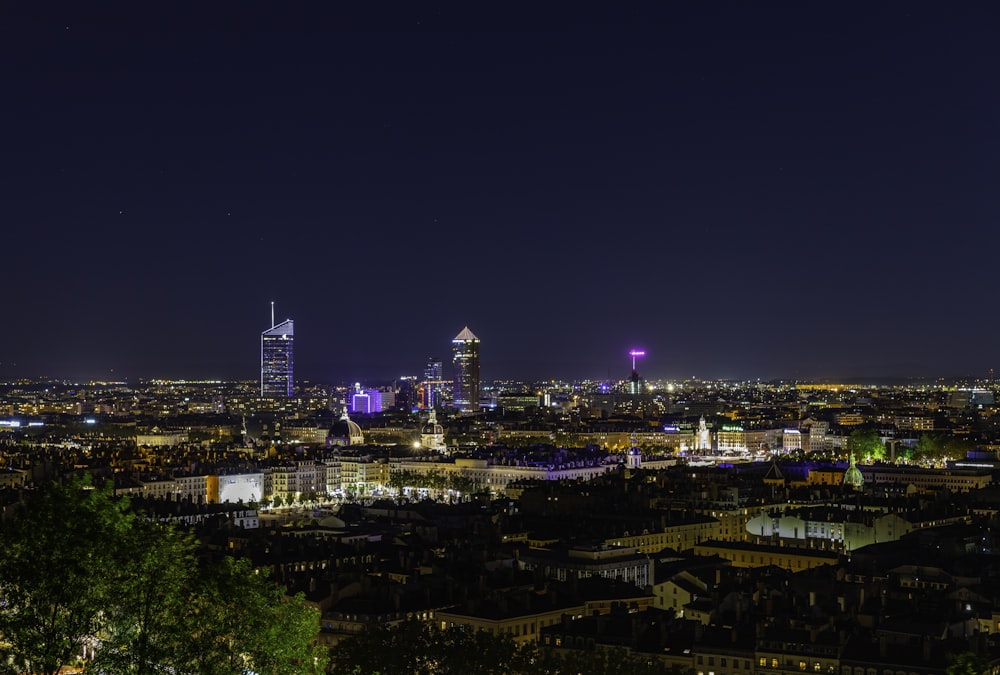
point(743, 189)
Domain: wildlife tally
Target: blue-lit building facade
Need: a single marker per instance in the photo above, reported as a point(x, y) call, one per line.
point(276, 360)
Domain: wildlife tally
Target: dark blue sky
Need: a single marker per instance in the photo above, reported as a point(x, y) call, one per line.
point(743, 189)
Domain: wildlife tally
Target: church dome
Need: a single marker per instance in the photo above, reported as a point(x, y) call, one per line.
point(432, 433)
point(853, 477)
point(432, 427)
point(345, 431)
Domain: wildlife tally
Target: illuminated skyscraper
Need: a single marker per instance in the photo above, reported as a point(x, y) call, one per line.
point(635, 383)
point(433, 384)
point(276, 373)
point(465, 360)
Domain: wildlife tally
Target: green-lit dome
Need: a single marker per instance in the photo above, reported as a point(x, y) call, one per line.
point(853, 477)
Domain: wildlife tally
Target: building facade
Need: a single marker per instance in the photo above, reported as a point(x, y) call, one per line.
point(465, 361)
point(432, 386)
point(276, 362)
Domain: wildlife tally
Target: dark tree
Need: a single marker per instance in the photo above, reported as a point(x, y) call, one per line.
point(57, 573)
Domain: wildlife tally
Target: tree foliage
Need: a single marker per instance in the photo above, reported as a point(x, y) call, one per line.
point(865, 444)
point(79, 568)
point(933, 449)
point(968, 663)
point(151, 580)
point(54, 574)
point(260, 631)
point(434, 479)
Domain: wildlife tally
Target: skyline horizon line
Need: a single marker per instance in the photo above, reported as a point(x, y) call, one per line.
point(865, 380)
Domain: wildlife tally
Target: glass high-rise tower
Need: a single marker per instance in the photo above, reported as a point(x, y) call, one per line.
point(276, 363)
point(433, 384)
point(465, 361)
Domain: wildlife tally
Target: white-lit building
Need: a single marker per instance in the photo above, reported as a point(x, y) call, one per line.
point(157, 438)
point(245, 487)
point(292, 480)
point(363, 475)
point(791, 440)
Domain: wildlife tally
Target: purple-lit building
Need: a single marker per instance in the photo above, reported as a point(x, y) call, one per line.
point(370, 401)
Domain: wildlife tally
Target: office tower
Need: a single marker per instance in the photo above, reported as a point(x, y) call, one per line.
point(406, 392)
point(636, 385)
point(465, 361)
point(276, 378)
point(433, 384)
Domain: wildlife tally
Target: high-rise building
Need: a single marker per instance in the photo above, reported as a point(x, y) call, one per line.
point(636, 385)
point(465, 361)
point(406, 392)
point(433, 385)
point(276, 372)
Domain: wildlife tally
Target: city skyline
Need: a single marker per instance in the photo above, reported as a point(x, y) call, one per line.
point(781, 191)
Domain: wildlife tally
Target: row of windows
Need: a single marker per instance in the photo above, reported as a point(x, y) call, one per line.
point(815, 666)
point(723, 662)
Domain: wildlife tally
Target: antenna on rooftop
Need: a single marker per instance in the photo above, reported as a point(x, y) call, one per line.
point(272, 314)
point(636, 353)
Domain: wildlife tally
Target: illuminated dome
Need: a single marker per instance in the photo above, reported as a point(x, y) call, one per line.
point(432, 426)
point(345, 432)
point(633, 459)
point(853, 477)
point(432, 433)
